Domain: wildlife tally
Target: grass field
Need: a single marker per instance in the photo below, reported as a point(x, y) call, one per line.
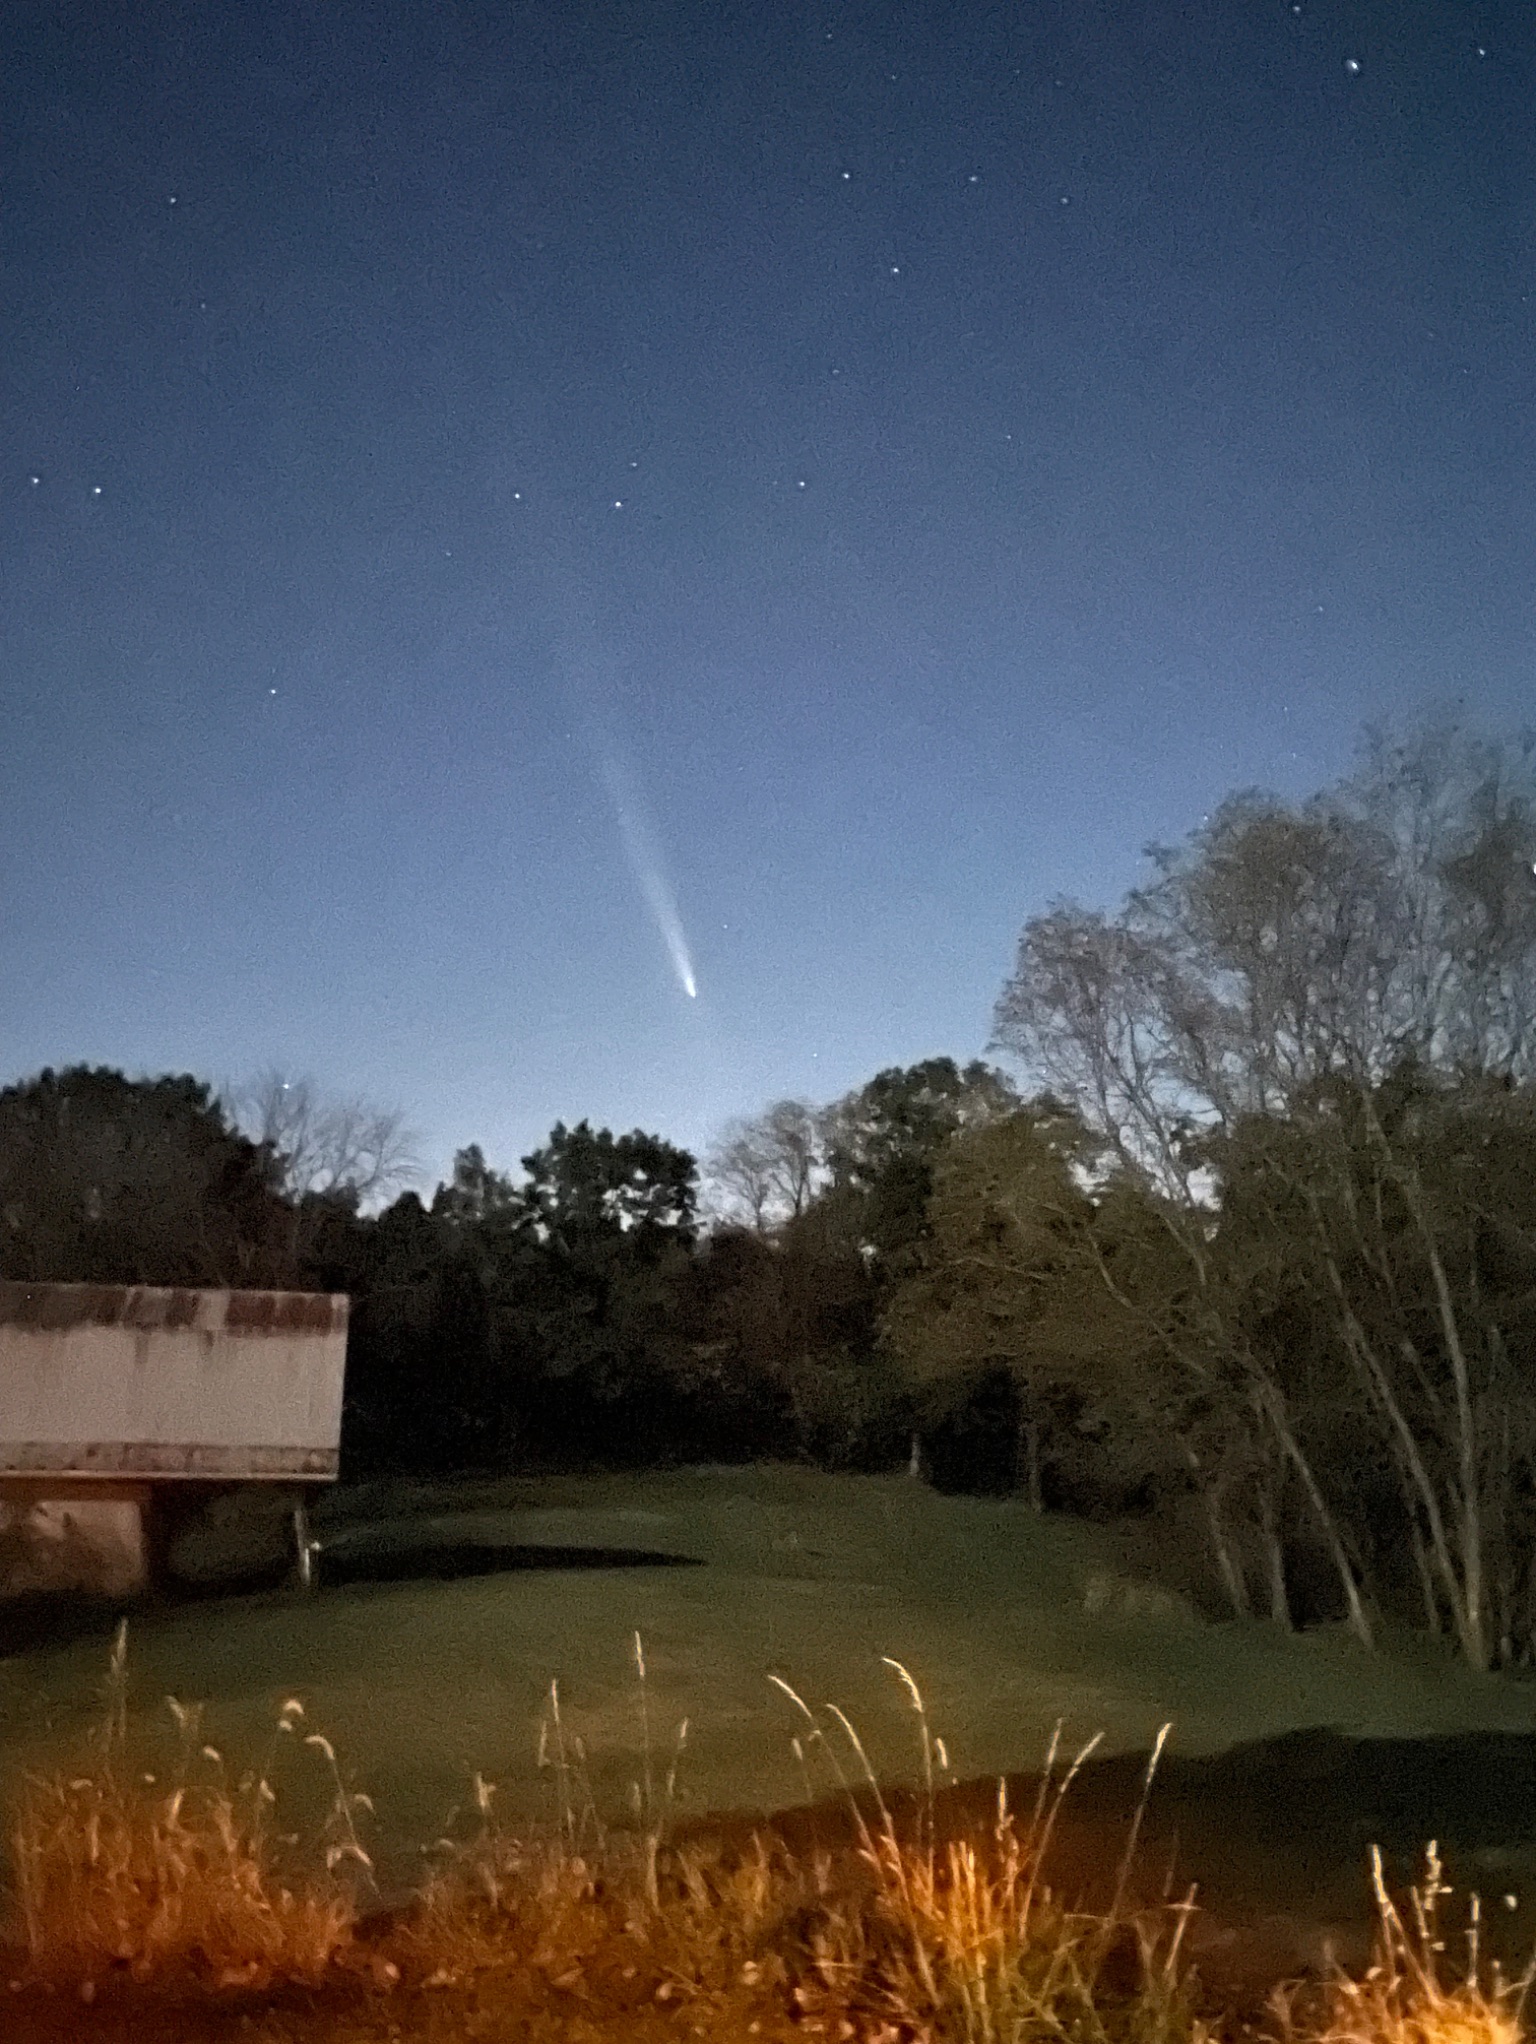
point(1007, 1621)
point(157, 1889)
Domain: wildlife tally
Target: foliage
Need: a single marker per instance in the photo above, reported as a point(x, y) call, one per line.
point(1391, 918)
point(883, 1141)
point(543, 1312)
point(585, 1185)
point(111, 1180)
point(1286, 1043)
point(1006, 1283)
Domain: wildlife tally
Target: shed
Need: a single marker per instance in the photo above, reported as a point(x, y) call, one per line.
point(114, 1398)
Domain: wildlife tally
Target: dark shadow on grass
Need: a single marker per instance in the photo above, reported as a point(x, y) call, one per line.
point(449, 1561)
point(57, 1619)
point(1301, 1811)
point(62, 1618)
point(1273, 1836)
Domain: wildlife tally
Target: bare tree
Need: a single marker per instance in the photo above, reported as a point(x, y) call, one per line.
point(766, 1170)
point(1392, 916)
point(328, 1149)
point(1459, 813)
point(1405, 1216)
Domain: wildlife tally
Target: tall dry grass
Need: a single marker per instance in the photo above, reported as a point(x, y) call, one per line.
point(905, 1934)
point(116, 1869)
point(1415, 1991)
point(900, 1932)
point(962, 1938)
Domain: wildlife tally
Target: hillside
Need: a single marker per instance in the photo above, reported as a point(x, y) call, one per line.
point(1007, 1622)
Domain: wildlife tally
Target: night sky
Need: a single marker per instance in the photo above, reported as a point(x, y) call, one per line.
point(477, 479)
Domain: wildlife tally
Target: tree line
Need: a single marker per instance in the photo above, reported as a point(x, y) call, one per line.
point(1245, 1235)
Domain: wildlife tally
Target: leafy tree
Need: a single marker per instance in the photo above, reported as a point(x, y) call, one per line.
point(882, 1142)
point(542, 1316)
point(1264, 994)
point(586, 1184)
point(975, 1296)
point(481, 1202)
point(424, 1391)
point(840, 1194)
point(1035, 1269)
point(112, 1180)
point(1391, 917)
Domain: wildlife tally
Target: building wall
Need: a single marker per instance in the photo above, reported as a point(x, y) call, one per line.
point(104, 1380)
point(50, 1546)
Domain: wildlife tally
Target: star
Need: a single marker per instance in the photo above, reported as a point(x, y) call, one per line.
point(1351, 64)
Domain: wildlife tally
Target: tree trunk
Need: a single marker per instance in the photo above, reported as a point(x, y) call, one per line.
point(1424, 1572)
point(1472, 1617)
point(1227, 1564)
point(1026, 1462)
point(1274, 1559)
point(1272, 1406)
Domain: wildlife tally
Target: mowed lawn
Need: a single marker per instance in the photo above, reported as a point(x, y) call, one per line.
point(1006, 1621)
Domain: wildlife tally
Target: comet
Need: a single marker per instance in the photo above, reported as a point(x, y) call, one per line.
point(643, 857)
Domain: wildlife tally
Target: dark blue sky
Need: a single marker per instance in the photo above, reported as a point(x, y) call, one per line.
point(913, 454)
